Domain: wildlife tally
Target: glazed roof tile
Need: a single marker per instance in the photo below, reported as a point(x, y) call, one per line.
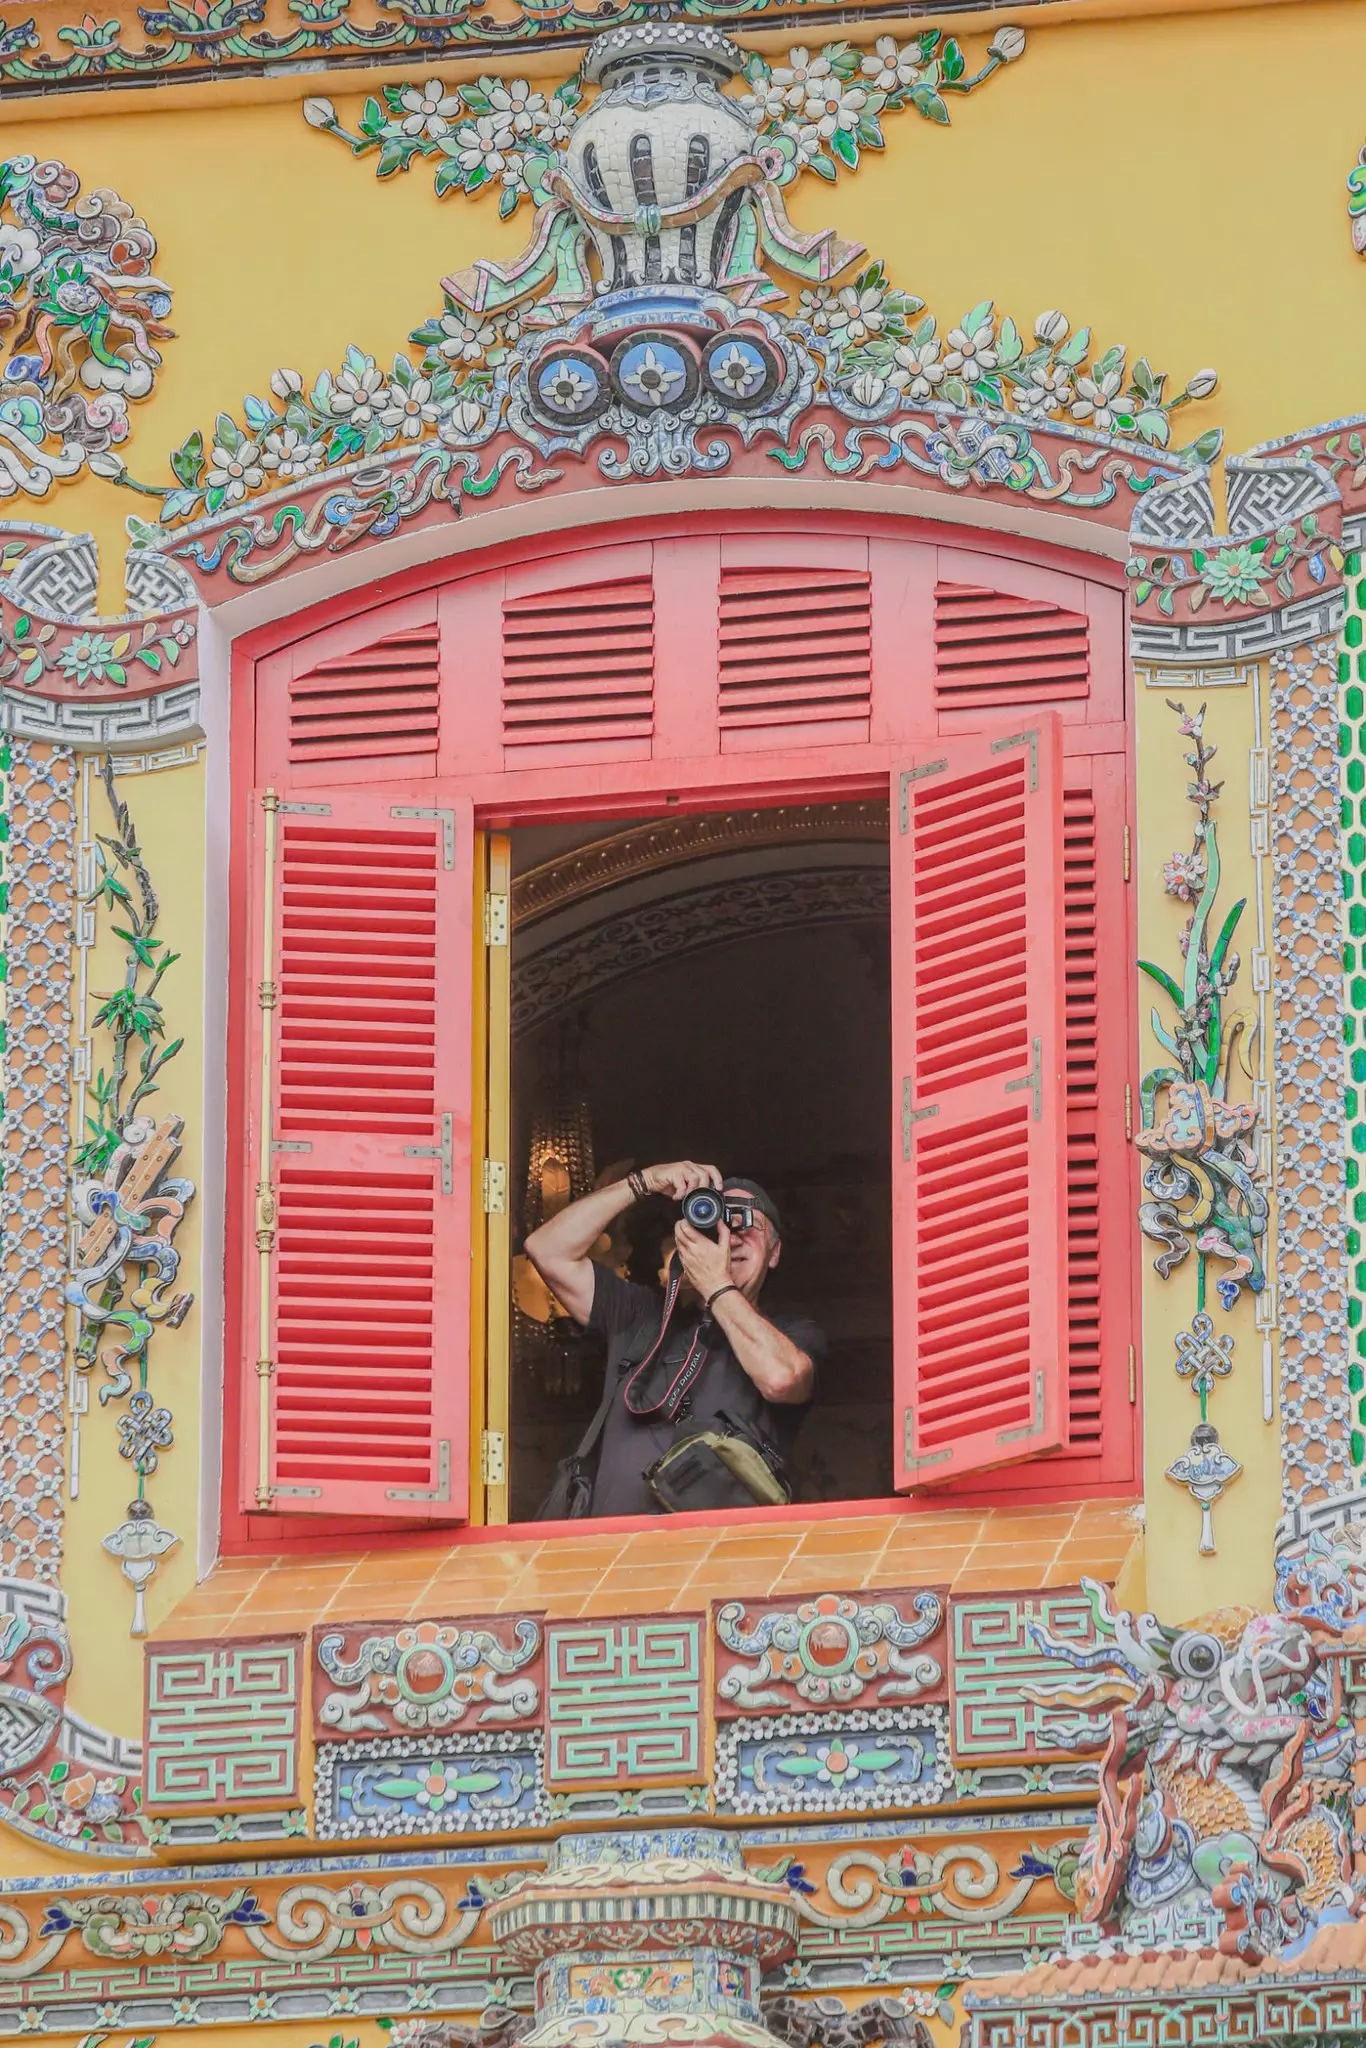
point(1334, 1950)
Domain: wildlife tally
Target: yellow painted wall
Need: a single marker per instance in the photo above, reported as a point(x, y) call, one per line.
point(1175, 181)
point(1164, 179)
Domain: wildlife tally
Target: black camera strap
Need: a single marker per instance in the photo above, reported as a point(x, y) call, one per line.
point(674, 1394)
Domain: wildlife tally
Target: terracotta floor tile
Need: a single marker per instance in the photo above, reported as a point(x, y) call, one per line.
point(995, 1579)
point(818, 1575)
point(611, 1599)
point(777, 1542)
point(1032, 1528)
point(489, 1557)
point(272, 1621)
point(1034, 1549)
point(935, 1565)
point(683, 1551)
point(645, 1578)
point(449, 1602)
point(937, 1528)
point(210, 1600)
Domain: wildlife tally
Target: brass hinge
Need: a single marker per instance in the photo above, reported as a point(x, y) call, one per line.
point(497, 919)
point(1133, 1378)
point(1128, 1110)
point(493, 1458)
point(1126, 853)
point(495, 1187)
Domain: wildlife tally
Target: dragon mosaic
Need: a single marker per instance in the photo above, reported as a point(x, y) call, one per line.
point(1225, 1766)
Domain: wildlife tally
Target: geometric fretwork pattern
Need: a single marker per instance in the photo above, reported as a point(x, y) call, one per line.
point(33, 1156)
point(996, 1666)
point(1307, 995)
point(624, 1702)
point(223, 1722)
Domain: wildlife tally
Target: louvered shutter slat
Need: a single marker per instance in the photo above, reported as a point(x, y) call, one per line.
point(978, 1049)
point(1082, 1023)
point(994, 650)
point(578, 671)
point(380, 699)
point(367, 1154)
point(795, 649)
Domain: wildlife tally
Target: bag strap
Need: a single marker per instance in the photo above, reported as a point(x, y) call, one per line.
point(588, 1443)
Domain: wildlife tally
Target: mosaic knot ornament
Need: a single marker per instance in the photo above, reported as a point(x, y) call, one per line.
point(833, 1650)
point(624, 1702)
point(404, 1677)
point(82, 314)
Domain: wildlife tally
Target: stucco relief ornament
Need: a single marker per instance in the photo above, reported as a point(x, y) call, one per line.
point(81, 315)
point(643, 326)
point(1202, 1177)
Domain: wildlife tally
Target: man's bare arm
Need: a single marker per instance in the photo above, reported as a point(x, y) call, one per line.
point(779, 1368)
point(559, 1249)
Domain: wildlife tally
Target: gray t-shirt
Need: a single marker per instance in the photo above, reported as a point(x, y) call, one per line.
point(627, 1315)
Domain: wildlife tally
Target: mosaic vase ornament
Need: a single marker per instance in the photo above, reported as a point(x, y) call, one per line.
point(665, 184)
point(647, 1937)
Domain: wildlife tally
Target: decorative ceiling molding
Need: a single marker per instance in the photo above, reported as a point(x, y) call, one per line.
point(674, 842)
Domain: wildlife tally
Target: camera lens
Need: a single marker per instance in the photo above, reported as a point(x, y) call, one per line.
point(702, 1208)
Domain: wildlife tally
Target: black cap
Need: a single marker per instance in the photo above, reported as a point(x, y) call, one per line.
point(759, 1198)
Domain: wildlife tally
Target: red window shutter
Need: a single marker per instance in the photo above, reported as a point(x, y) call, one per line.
point(360, 1127)
point(978, 1046)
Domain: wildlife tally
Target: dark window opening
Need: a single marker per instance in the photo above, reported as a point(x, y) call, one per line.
point(715, 989)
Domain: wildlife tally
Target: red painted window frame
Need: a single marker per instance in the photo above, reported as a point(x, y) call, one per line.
point(617, 790)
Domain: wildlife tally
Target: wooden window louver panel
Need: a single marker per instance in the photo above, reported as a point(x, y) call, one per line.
point(578, 664)
point(978, 1049)
point(995, 650)
point(379, 700)
point(361, 1299)
point(795, 646)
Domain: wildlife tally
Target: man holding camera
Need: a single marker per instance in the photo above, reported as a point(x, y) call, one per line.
point(703, 1394)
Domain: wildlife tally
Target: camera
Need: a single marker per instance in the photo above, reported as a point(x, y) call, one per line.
point(706, 1210)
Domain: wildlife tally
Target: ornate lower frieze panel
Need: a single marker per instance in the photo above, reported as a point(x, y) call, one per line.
point(835, 1650)
point(926, 1895)
point(222, 1724)
point(876, 1761)
point(412, 1786)
point(404, 1677)
point(624, 1702)
point(996, 1669)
